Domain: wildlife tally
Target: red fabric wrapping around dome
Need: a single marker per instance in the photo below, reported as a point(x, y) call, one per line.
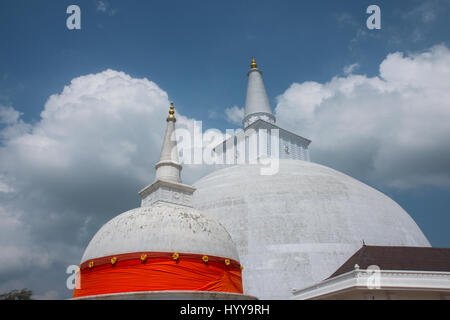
point(158, 273)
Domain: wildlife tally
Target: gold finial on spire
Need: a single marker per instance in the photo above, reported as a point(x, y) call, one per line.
point(253, 65)
point(171, 116)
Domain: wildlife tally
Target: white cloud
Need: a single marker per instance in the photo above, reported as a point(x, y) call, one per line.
point(105, 7)
point(18, 252)
point(8, 115)
point(393, 128)
point(11, 124)
point(427, 11)
point(350, 68)
point(104, 121)
point(420, 21)
point(234, 115)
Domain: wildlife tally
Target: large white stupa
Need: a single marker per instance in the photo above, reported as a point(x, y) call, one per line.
point(294, 228)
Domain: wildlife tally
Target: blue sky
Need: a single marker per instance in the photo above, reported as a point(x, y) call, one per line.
point(198, 52)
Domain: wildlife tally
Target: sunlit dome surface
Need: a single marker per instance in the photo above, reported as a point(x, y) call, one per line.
point(162, 227)
point(295, 228)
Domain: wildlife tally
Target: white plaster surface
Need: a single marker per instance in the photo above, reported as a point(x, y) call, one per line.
point(295, 228)
point(168, 167)
point(162, 227)
point(256, 101)
point(166, 191)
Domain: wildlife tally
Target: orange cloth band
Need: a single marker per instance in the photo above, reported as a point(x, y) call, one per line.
point(158, 272)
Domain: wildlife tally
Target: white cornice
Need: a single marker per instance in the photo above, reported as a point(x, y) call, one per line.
point(388, 280)
point(148, 189)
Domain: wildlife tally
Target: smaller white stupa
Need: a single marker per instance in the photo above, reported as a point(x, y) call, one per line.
point(295, 227)
point(164, 249)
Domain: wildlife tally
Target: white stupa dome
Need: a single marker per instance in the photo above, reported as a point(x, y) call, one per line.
point(162, 227)
point(295, 228)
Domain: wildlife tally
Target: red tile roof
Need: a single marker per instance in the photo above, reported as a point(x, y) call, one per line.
point(398, 258)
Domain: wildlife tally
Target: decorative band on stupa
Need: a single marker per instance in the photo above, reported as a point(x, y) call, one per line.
point(158, 271)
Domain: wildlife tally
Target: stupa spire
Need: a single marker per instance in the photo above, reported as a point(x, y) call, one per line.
point(257, 105)
point(167, 186)
point(168, 168)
